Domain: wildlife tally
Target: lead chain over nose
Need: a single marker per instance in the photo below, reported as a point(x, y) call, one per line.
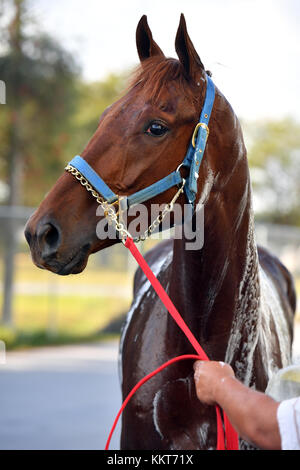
point(112, 215)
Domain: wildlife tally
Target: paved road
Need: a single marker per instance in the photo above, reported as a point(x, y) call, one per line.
point(59, 398)
point(62, 397)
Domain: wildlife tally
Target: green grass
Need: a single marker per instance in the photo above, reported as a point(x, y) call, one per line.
point(39, 320)
point(69, 317)
point(18, 339)
point(67, 313)
point(46, 316)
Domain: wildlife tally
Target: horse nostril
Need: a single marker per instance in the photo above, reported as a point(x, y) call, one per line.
point(49, 239)
point(51, 236)
point(28, 235)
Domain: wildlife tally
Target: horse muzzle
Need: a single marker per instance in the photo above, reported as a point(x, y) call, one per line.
point(48, 251)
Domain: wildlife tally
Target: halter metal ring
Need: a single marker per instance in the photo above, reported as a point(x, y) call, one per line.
point(179, 166)
point(200, 124)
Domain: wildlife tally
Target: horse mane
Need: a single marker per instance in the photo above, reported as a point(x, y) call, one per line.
point(155, 73)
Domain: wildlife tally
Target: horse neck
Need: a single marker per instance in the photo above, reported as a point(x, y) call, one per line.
point(211, 285)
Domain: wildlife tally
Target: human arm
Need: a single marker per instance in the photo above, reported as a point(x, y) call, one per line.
point(253, 414)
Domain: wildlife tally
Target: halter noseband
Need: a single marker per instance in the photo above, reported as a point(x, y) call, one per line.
point(191, 161)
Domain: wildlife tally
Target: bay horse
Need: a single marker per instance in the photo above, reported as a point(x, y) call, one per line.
point(237, 298)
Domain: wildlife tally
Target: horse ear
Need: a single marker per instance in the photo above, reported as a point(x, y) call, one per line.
point(145, 44)
point(186, 51)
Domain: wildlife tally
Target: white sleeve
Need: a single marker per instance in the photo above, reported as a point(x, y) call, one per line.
point(288, 417)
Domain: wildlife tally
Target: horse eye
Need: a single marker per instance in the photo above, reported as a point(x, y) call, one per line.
point(156, 129)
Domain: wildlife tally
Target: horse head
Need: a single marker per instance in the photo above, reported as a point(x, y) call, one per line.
point(140, 138)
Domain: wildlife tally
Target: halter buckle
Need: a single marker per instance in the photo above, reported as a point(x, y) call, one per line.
point(204, 126)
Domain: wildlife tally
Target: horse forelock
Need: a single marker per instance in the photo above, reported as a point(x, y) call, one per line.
point(155, 73)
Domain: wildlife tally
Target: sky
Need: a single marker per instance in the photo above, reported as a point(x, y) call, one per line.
point(252, 47)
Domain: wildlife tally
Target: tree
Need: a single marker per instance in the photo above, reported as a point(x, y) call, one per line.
point(274, 158)
point(40, 79)
point(93, 99)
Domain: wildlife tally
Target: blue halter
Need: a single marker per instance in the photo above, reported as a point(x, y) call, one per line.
point(191, 161)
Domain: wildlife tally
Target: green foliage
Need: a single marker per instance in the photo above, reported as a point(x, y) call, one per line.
point(40, 79)
point(15, 339)
point(274, 158)
point(8, 336)
point(92, 100)
point(273, 140)
point(57, 122)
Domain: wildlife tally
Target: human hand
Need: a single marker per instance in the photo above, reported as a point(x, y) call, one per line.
point(208, 376)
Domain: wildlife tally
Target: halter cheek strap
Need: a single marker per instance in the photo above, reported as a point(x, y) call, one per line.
point(197, 145)
point(192, 161)
point(93, 178)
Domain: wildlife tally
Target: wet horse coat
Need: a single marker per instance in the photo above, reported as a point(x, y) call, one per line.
point(238, 300)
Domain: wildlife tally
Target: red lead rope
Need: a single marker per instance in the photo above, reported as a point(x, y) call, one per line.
point(232, 442)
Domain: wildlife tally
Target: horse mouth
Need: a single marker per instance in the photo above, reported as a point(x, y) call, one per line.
point(76, 264)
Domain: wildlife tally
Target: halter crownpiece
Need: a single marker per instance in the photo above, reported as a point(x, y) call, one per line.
point(83, 171)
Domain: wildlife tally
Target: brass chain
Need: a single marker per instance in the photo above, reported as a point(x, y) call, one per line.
point(112, 215)
point(168, 208)
point(82, 180)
